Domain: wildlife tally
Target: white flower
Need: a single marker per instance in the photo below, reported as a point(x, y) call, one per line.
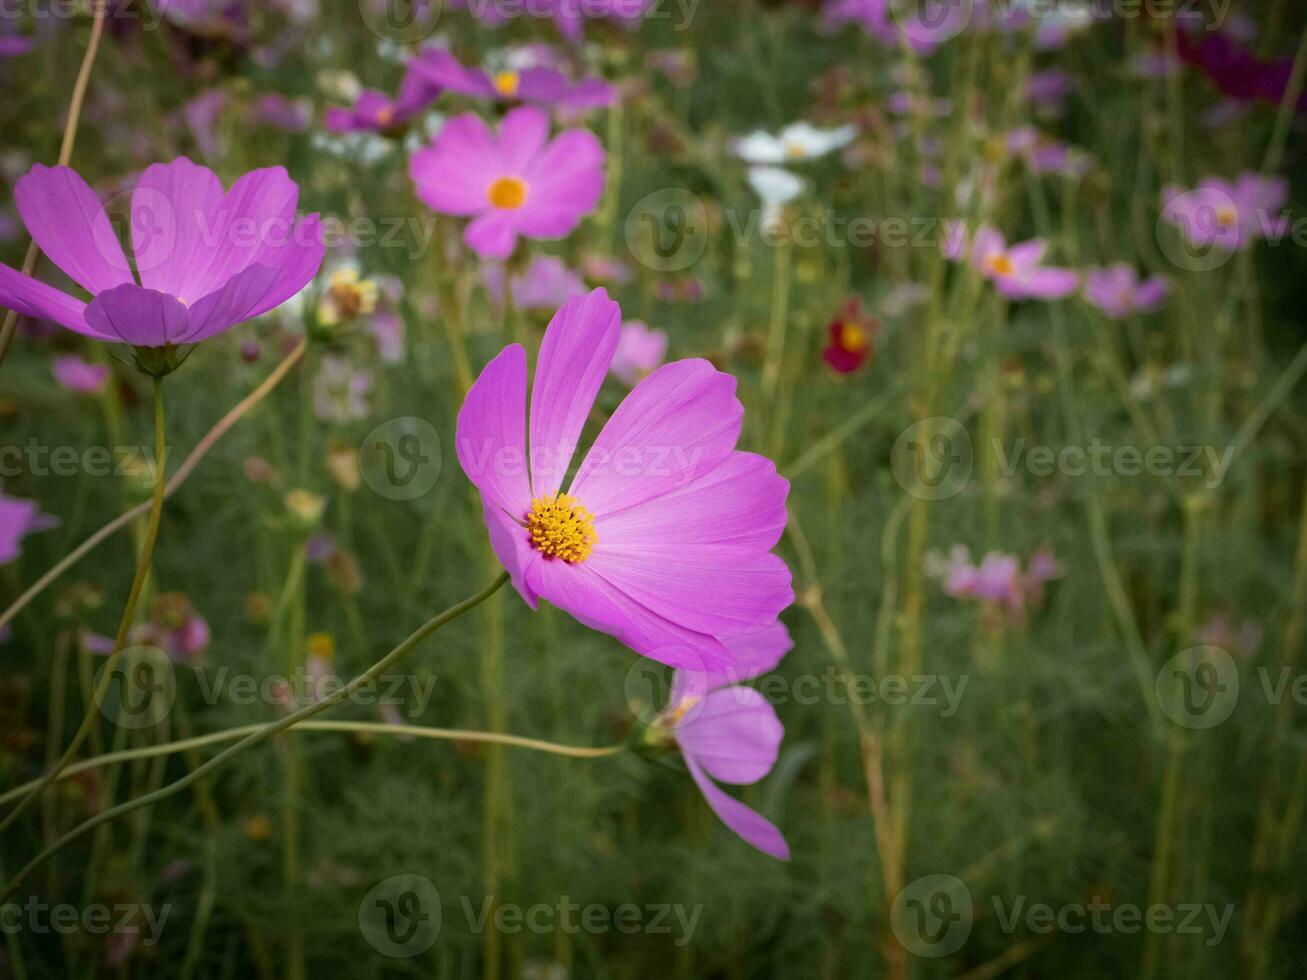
point(776, 186)
point(799, 141)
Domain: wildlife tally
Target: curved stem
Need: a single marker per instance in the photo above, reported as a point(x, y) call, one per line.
point(65, 151)
point(124, 624)
point(260, 734)
point(188, 465)
point(356, 727)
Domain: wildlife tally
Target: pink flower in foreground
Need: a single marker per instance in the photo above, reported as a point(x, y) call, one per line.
point(663, 537)
point(377, 112)
point(75, 374)
point(18, 519)
point(517, 183)
point(731, 733)
point(1016, 270)
point(206, 260)
point(1118, 291)
point(537, 84)
point(639, 351)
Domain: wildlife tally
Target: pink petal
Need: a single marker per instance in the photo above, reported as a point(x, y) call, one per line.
point(676, 425)
point(741, 502)
point(577, 348)
point(565, 183)
point(521, 135)
point(493, 235)
point(1027, 255)
point(138, 316)
point(752, 655)
point(733, 733)
point(751, 826)
point(175, 227)
point(707, 588)
point(33, 298)
point(1050, 283)
point(596, 603)
point(443, 69)
point(490, 439)
point(453, 174)
point(68, 222)
point(987, 244)
point(513, 549)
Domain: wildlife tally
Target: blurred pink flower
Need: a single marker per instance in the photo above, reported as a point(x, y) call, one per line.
point(1229, 216)
point(1118, 291)
point(18, 519)
point(75, 374)
point(535, 84)
point(377, 112)
point(1017, 271)
point(546, 283)
point(639, 351)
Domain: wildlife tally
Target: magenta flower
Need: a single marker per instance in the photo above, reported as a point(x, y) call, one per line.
point(1228, 216)
point(731, 733)
point(546, 284)
point(18, 519)
point(519, 183)
point(206, 260)
point(998, 579)
point(569, 16)
point(1118, 291)
point(1017, 271)
point(663, 537)
point(377, 112)
point(75, 374)
point(639, 351)
point(538, 85)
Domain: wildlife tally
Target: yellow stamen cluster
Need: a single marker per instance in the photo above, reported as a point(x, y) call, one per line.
point(506, 83)
point(561, 527)
point(1001, 265)
point(853, 338)
point(1227, 217)
point(795, 151)
point(347, 296)
point(507, 193)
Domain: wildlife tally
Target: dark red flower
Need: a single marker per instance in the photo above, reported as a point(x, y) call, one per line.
point(851, 335)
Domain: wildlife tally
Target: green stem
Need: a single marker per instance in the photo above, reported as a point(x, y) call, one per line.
point(261, 734)
point(128, 617)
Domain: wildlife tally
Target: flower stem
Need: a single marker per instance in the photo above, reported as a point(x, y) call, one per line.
point(239, 411)
point(352, 727)
point(128, 617)
point(260, 734)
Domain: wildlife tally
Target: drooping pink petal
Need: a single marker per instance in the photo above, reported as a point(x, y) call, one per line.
point(748, 588)
point(68, 222)
point(577, 348)
point(490, 440)
point(751, 826)
point(138, 316)
point(740, 502)
point(513, 549)
point(676, 425)
point(175, 226)
point(733, 733)
point(443, 69)
point(595, 603)
point(33, 298)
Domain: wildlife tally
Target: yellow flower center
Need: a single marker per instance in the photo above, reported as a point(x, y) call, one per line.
point(1227, 217)
point(507, 193)
point(853, 338)
point(506, 83)
point(385, 117)
point(1001, 265)
point(561, 527)
point(795, 151)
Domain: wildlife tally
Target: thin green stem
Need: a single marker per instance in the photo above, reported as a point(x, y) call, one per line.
point(261, 734)
point(128, 617)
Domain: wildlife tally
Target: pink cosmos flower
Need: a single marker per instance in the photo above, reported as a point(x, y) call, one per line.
point(663, 537)
point(998, 578)
point(1118, 291)
point(1228, 216)
point(206, 260)
point(518, 183)
point(18, 519)
point(1017, 271)
point(639, 351)
point(77, 375)
point(377, 112)
point(537, 84)
point(546, 284)
point(1045, 155)
point(731, 733)
point(877, 19)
